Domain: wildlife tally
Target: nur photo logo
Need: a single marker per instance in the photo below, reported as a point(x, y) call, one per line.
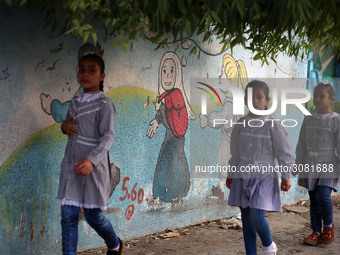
point(287, 96)
point(209, 93)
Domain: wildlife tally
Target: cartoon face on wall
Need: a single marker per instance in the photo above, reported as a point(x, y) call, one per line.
point(170, 77)
point(168, 74)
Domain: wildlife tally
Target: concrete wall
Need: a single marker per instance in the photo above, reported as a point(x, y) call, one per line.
point(37, 80)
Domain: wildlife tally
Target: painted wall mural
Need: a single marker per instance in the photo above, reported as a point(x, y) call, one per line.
point(233, 72)
point(323, 66)
point(236, 75)
point(172, 178)
point(157, 126)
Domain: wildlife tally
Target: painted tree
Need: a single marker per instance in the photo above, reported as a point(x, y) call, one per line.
point(266, 27)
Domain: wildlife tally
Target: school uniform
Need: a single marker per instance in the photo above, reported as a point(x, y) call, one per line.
point(318, 151)
point(257, 142)
point(95, 113)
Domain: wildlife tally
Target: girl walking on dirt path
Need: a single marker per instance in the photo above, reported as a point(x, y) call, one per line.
point(85, 176)
point(317, 157)
point(255, 142)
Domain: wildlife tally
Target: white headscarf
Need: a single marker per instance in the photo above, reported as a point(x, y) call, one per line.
point(178, 82)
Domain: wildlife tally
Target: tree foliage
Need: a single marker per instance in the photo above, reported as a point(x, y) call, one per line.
point(266, 27)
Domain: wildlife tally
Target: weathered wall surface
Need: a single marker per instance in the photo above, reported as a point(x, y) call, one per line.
point(37, 80)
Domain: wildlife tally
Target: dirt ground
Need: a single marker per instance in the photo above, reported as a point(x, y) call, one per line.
point(215, 238)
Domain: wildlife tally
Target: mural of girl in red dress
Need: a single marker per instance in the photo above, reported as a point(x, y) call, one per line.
point(172, 178)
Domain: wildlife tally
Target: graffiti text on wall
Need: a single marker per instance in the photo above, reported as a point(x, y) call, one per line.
point(133, 196)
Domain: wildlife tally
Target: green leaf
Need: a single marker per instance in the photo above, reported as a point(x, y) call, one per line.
point(301, 10)
point(240, 8)
point(215, 16)
point(94, 37)
point(188, 27)
point(224, 47)
point(76, 23)
point(180, 4)
point(262, 26)
point(257, 56)
point(8, 2)
point(86, 36)
point(163, 5)
point(193, 50)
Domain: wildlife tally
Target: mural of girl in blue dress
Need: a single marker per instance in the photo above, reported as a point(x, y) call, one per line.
point(172, 178)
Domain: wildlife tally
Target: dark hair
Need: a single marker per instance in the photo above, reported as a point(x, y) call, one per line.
point(259, 84)
point(328, 86)
point(101, 64)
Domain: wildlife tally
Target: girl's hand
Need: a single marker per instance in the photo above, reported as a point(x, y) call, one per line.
point(83, 167)
point(68, 128)
point(152, 129)
point(285, 185)
point(228, 182)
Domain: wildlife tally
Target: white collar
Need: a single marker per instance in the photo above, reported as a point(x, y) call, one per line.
point(262, 117)
point(324, 116)
point(88, 97)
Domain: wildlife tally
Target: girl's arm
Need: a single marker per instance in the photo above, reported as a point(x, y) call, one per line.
point(106, 123)
point(234, 149)
point(282, 150)
point(67, 125)
point(68, 114)
point(235, 154)
point(300, 150)
point(152, 130)
point(337, 142)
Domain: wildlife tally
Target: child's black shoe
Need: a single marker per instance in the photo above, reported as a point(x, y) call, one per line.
point(119, 252)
